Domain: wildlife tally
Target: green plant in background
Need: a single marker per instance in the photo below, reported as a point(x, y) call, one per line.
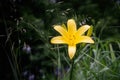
point(91, 62)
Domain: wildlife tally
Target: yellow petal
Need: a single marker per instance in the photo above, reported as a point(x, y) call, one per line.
point(58, 40)
point(84, 39)
point(71, 51)
point(61, 30)
point(82, 30)
point(71, 26)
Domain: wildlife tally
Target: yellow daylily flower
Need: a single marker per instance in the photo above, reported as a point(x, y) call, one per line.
point(71, 36)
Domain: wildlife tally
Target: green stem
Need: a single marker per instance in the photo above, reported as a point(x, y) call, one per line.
point(59, 63)
point(71, 72)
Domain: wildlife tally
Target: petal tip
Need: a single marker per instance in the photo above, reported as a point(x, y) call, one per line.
point(71, 56)
point(87, 26)
point(71, 51)
point(92, 41)
point(71, 21)
point(56, 26)
point(51, 41)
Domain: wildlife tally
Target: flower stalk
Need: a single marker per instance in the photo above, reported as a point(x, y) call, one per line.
point(72, 67)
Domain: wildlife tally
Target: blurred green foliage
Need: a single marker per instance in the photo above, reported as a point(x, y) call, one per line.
point(29, 24)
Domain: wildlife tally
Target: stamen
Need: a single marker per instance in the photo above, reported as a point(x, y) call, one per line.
point(72, 39)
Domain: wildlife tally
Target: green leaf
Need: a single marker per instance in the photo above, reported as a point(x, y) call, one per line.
point(112, 53)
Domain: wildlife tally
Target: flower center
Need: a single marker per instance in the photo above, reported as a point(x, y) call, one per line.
point(72, 40)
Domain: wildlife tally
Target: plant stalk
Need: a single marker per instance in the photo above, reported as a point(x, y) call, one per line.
point(71, 72)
